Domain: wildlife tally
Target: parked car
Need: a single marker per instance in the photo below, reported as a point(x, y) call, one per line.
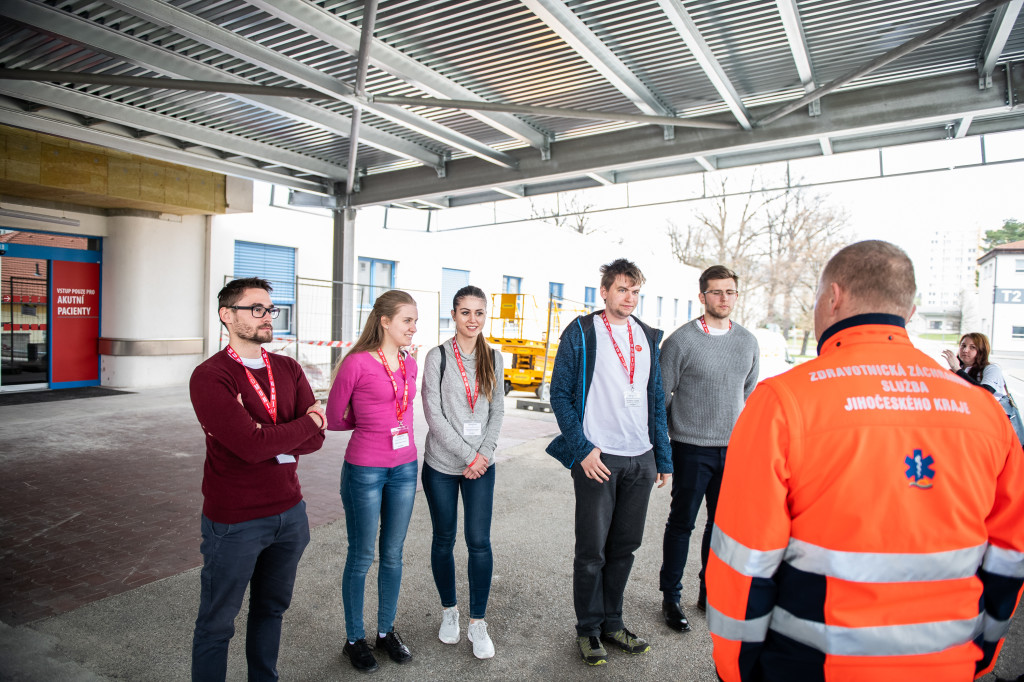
point(775, 357)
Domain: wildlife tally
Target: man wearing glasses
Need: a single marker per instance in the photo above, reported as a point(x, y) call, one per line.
point(258, 413)
point(709, 367)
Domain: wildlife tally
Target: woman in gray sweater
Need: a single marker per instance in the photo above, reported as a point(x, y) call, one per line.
point(464, 407)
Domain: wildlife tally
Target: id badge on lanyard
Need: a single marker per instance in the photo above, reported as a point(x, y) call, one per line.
point(470, 428)
point(400, 433)
point(269, 403)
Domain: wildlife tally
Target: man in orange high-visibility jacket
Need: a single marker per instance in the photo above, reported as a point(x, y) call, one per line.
point(871, 519)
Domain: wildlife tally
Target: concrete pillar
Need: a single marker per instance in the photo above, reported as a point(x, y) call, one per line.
point(154, 298)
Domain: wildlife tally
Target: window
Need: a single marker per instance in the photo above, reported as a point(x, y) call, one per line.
point(275, 264)
point(689, 310)
point(935, 324)
point(1020, 264)
point(658, 302)
point(590, 298)
point(511, 285)
point(1018, 332)
point(675, 312)
point(451, 282)
point(641, 305)
point(555, 291)
point(376, 276)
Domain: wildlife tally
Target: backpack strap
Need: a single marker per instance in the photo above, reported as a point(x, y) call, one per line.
point(444, 361)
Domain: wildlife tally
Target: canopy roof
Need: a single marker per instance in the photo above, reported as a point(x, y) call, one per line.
point(716, 71)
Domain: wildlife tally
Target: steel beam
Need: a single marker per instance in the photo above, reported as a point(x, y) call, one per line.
point(688, 31)
point(998, 33)
point(200, 30)
point(707, 164)
point(577, 35)
point(868, 113)
point(10, 115)
point(892, 55)
point(135, 51)
point(89, 105)
point(469, 105)
point(794, 27)
point(345, 37)
point(362, 64)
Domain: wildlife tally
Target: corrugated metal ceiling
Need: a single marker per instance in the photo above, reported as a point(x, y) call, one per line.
point(495, 50)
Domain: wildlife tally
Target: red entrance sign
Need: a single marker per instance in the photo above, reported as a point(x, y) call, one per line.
point(75, 328)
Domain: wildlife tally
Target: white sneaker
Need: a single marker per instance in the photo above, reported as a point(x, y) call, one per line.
point(483, 647)
point(449, 632)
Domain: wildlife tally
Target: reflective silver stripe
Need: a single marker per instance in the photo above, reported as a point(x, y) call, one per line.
point(749, 562)
point(737, 630)
point(995, 630)
point(871, 567)
point(1004, 562)
point(882, 640)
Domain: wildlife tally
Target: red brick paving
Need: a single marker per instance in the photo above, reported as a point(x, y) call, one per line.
point(87, 514)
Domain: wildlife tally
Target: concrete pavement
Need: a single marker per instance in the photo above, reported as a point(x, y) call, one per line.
point(143, 632)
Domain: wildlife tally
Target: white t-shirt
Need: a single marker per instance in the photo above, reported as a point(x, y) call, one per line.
point(607, 422)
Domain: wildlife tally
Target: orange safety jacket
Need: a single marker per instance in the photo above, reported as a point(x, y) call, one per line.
point(870, 524)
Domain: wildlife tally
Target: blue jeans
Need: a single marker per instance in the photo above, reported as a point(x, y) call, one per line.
point(372, 497)
point(442, 492)
point(698, 476)
point(263, 555)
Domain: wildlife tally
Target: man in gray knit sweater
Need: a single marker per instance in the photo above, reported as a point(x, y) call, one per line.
point(709, 367)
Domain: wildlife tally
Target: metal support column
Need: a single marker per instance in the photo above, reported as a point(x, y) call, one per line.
point(344, 272)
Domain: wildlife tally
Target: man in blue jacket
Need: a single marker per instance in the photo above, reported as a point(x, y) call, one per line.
point(607, 397)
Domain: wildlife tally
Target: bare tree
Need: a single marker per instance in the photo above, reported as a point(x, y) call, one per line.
point(572, 212)
point(730, 232)
point(777, 242)
point(802, 230)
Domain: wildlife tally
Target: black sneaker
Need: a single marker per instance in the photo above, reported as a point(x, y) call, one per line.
point(592, 651)
point(397, 650)
point(627, 641)
point(360, 655)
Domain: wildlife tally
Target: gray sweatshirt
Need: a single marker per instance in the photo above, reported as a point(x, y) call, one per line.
point(707, 380)
point(446, 407)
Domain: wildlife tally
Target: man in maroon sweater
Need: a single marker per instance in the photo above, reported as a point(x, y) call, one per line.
point(258, 413)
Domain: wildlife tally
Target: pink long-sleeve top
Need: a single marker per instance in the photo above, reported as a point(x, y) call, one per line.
point(362, 400)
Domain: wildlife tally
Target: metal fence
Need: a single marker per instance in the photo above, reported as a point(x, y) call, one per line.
point(309, 336)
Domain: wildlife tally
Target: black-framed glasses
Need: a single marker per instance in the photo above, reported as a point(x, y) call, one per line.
point(257, 310)
point(721, 292)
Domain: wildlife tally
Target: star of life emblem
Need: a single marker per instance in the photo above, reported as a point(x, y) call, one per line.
point(919, 470)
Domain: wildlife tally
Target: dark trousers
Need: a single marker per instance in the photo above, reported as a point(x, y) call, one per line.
point(263, 555)
point(697, 474)
point(610, 519)
point(442, 493)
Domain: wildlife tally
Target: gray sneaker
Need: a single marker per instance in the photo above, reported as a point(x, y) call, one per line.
point(627, 641)
point(592, 651)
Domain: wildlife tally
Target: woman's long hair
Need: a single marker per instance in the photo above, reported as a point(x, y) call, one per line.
point(484, 357)
point(386, 305)
point(981, 359)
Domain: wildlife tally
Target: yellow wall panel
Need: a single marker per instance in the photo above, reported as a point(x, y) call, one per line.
point(124, 177)
point(22, 158)
point(202, 190)
point(151, 181)
point(176, 185)
point(73, 169)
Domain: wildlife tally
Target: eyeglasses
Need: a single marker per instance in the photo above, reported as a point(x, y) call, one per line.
point(257, 310)
point(722, 292)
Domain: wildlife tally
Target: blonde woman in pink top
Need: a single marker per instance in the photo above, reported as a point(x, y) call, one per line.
point(372, 395)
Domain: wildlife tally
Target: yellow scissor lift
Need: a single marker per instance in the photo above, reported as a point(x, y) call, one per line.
point(528, 338)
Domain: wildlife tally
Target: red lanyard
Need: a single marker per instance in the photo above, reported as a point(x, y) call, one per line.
point(471, 397)
point(705, 325)
point(271, 404)
point(632, 349)
point(399, 407)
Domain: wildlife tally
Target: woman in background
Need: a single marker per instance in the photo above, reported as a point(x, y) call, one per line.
point(971, 363)
point(372, 394)
point(464, 407)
